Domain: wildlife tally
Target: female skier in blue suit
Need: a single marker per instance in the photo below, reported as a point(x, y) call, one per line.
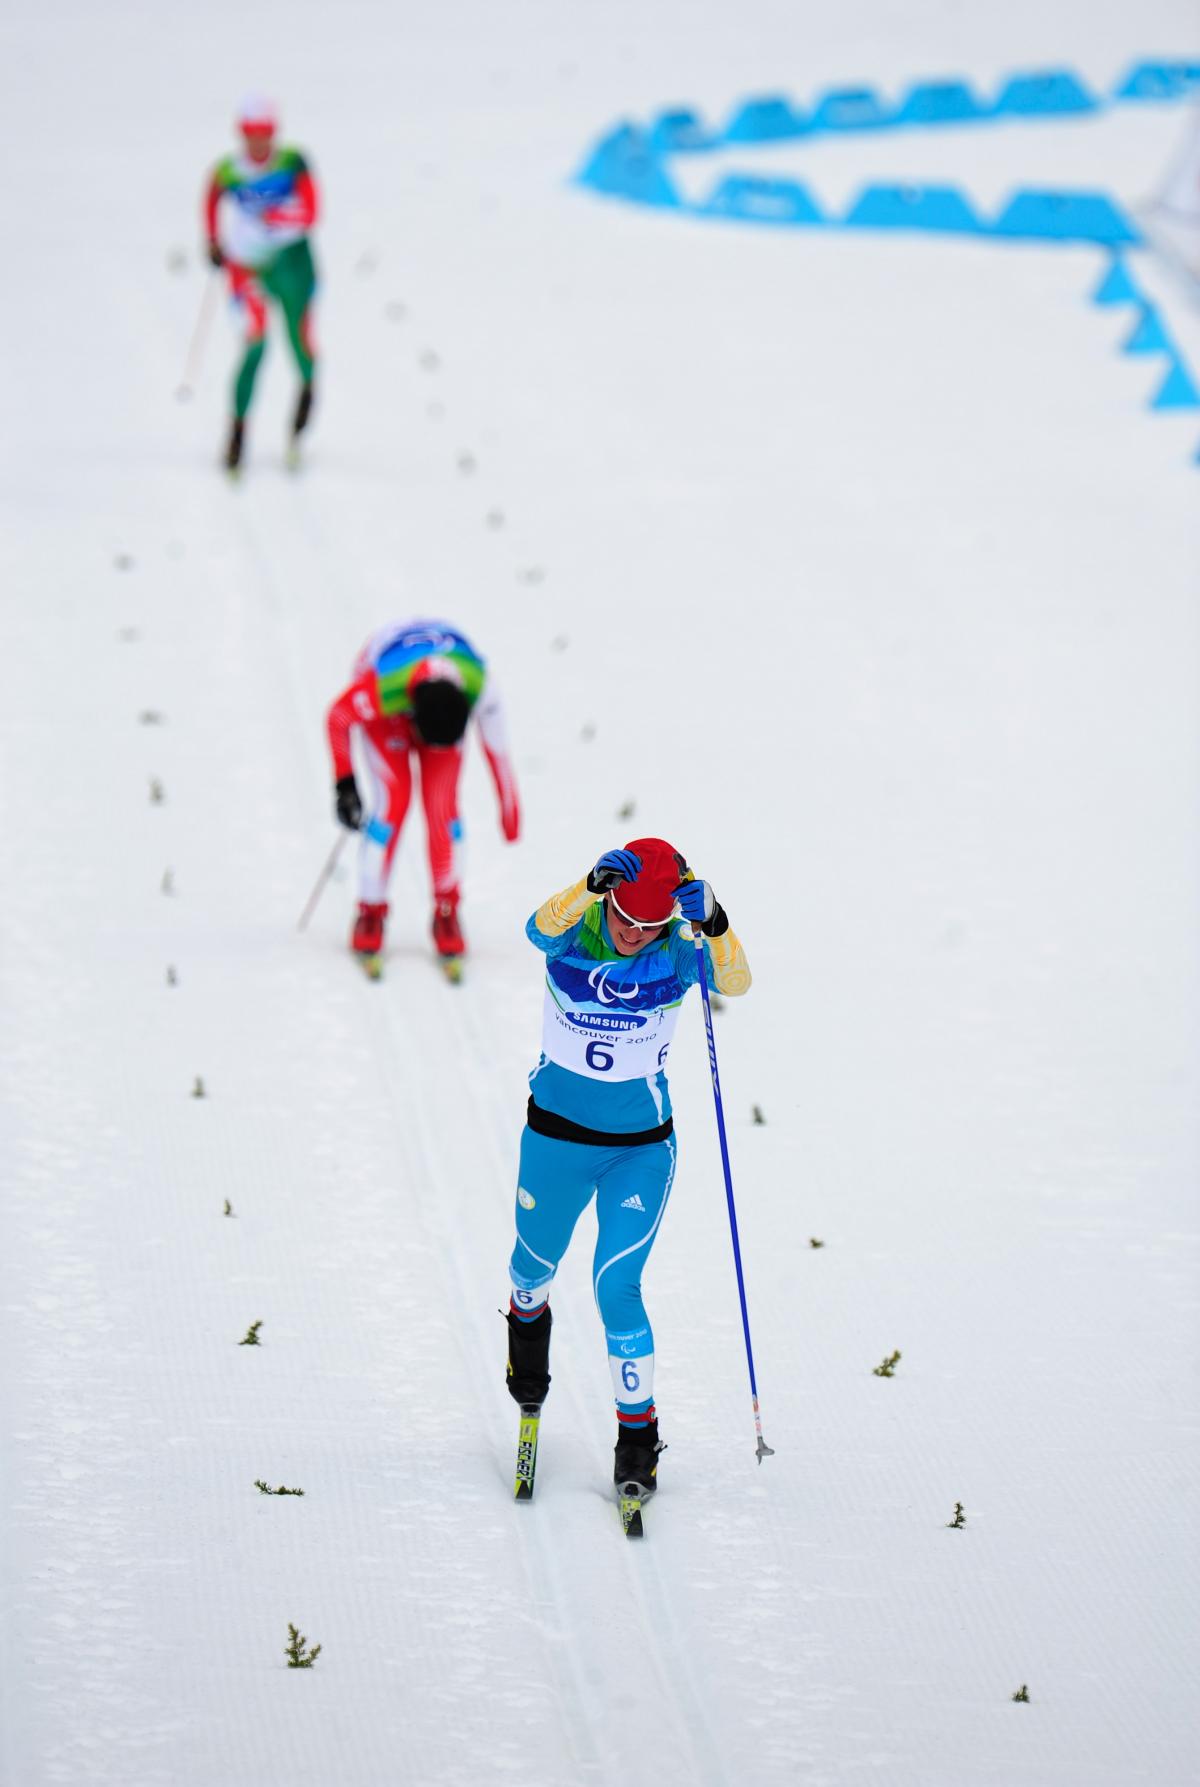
point(620, 958)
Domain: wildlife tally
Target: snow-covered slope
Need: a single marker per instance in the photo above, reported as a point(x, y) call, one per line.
point(859, 567)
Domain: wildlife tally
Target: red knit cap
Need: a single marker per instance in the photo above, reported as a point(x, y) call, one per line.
point(650, 899)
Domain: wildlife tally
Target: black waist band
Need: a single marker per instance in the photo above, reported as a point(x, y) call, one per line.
point(561, 1129)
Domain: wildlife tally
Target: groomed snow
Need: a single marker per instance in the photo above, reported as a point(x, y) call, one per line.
point(859, 566)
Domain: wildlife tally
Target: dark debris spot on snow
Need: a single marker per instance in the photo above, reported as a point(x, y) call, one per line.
point(394, 311)
point(123, 561)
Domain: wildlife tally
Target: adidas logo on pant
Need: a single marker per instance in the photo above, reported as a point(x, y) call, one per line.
point(634, 1203)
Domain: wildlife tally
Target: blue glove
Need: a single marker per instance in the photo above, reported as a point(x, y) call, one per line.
point(700, 907)
point(696, 901)
point(614, 867)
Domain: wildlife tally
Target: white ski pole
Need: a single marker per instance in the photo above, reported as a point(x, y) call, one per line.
point(331, 862)
point(379, 832)
point(195, 353)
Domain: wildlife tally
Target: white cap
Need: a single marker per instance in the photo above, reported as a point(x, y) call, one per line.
point(257, 109)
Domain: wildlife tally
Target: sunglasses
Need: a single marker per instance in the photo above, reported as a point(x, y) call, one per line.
point(638, 924)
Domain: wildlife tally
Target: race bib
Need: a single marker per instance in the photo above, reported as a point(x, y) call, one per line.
point(608, 1045)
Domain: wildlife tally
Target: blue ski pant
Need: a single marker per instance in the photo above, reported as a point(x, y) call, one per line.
point(631, 1187)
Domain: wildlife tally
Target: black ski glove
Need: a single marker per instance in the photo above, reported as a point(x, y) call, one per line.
point(349, 806)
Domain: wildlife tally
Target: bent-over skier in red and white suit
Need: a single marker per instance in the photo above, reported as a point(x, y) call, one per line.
point(416, 686)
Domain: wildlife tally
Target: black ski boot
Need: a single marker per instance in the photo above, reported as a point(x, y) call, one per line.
point(635, 1458)
point(529, 1359)
point(304, 405)
point(233, 452)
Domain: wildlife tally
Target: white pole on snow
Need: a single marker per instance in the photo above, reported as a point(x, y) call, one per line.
point(331, 862)
point(195, 353)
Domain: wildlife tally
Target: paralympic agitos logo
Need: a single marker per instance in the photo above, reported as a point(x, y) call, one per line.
point(597, 986)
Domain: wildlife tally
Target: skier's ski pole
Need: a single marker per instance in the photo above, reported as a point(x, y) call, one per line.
point(196, 346)
point(331, 862)
point(378, 830)
point(762, 1450)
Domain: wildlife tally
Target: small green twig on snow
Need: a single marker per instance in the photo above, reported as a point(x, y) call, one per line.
point(297, 1652)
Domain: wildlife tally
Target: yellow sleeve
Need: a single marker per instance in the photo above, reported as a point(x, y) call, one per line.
point(562, 910)
point(731, 970)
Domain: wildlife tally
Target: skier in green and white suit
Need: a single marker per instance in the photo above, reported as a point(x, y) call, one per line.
point(258, 209)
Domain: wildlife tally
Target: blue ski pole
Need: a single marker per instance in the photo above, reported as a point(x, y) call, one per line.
point(762, 1450)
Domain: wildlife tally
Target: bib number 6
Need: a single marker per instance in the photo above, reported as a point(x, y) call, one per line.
point(599, 1056)
point(629, 1376)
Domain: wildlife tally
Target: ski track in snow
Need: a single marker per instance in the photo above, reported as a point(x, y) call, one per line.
point(971, 770)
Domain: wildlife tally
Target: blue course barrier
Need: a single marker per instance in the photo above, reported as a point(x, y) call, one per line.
point(762, 201)
point(1116, 287)
point(630, 163)
point(1052, 93)
point(1159, 80)
point(851, 108)
point(681, 131)
point(1147, 335)
point(940, 102)
point(912, 208)
point(1065, 217)
point(770, 118)
point(624, 164)
point(1177, 391)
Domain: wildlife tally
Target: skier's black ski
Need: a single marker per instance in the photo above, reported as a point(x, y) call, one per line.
point(527, 1443)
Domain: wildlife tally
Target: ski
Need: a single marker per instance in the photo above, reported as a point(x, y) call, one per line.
point(527, 1442)
point(629, 1504)
point(372, 965)
point(452, 968)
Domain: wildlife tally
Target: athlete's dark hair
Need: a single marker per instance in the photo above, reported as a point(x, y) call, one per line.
point(440, 711)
